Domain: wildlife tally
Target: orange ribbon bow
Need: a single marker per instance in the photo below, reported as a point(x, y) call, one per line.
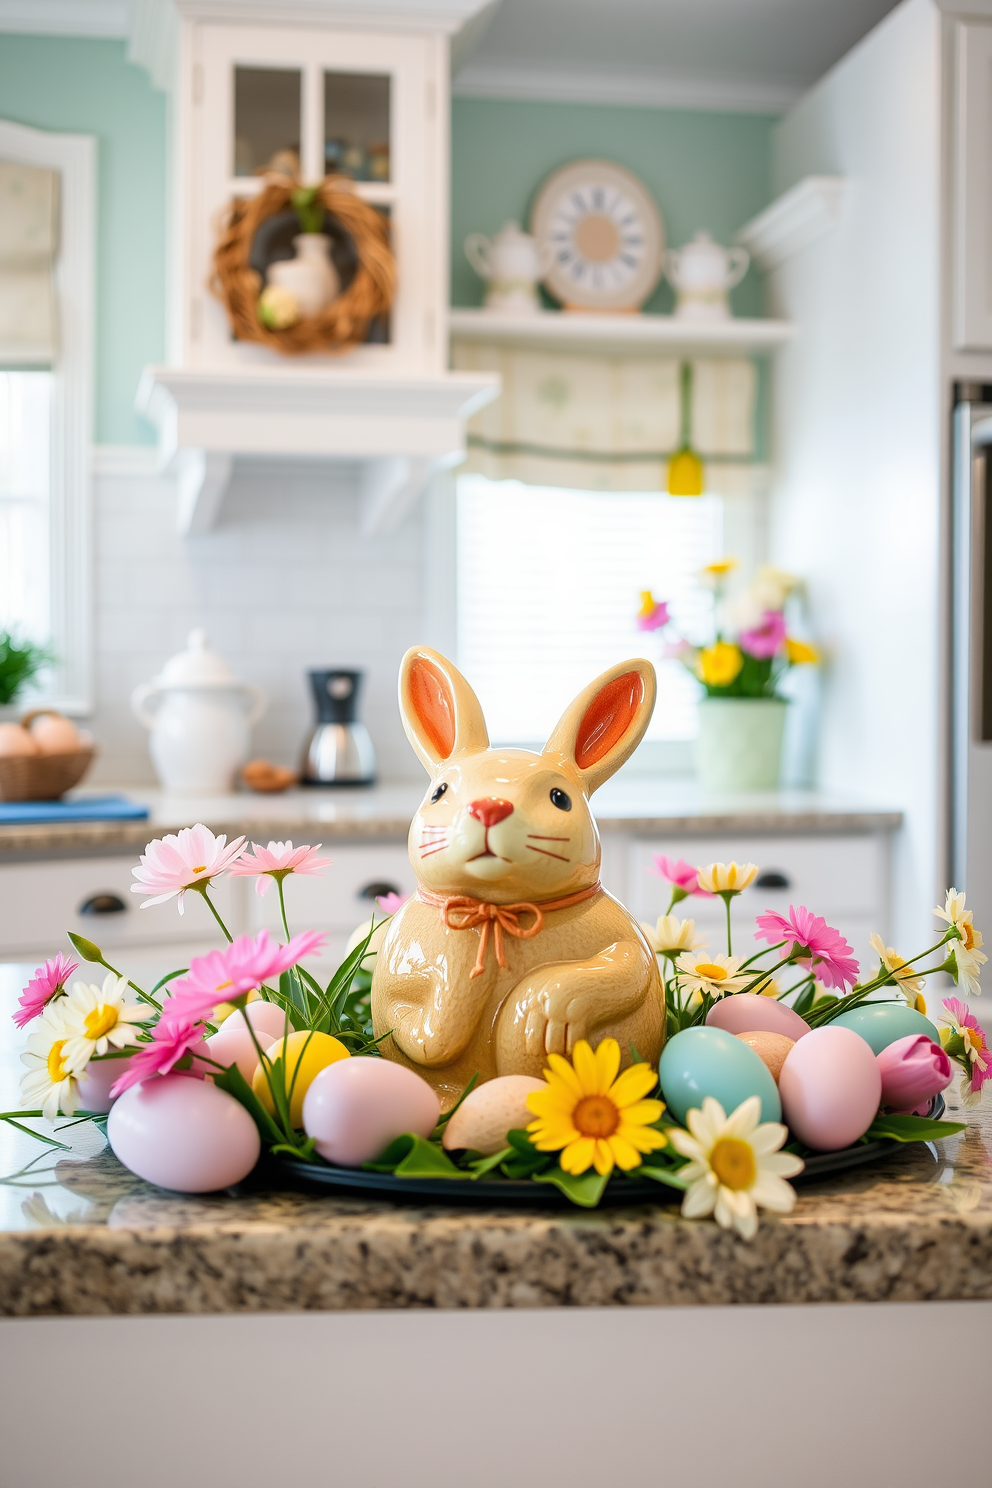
point(469, 913)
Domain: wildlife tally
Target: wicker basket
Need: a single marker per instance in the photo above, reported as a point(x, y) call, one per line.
point(42, 777)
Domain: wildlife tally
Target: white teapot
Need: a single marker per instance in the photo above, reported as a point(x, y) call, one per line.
point(701, 274)
point(200, 716)
point(512, 263)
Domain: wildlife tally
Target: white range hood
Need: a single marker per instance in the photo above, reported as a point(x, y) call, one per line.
point(394, 407)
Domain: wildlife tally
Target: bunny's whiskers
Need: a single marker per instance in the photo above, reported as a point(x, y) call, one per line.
point(544, 853)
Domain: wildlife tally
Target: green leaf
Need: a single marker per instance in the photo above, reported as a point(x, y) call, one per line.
point(526, 1159)
point(410, 1156)
point(484, 1165)
point(304, 1151)
point(234, 1082)
point(911, 1129)
point(38, 1136)
point(585, 1190)
point(671, 1176)
point(162, 981)
point(443, 1120)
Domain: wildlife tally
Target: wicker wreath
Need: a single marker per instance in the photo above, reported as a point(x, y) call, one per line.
point(345, 321)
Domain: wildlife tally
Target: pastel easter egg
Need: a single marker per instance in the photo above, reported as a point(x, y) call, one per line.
point(830, 1087)
point(234, 1045)
point(95, 1081)
point(710, 1061)
point(747, 1012)
point(305, 1055)
point(489, 1112)
point(881, 1023)
point(183, 1134)
point(771, 1049)
point(267, 1016)
point(355, 1107)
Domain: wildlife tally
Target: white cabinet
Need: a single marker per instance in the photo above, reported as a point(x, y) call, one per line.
point(972, 144)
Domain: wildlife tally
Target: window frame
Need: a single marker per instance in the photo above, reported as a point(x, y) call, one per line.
point(70, 537)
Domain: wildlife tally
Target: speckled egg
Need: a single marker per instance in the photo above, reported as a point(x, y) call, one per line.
point(746, 1012)
point(710, 1061)
point(355, 1107)
point(489, 1112)
point(830, 1087)
point(881, 1023)
point(771, 1049)
point(183, 1134)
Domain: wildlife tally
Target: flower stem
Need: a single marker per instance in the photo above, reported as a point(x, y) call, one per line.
point(210, 905)
point(726, 905)
point(143, 996)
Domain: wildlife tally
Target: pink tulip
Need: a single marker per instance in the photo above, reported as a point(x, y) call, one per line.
point(913, 1069)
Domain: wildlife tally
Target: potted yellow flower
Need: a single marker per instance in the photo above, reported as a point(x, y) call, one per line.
point(741, 712)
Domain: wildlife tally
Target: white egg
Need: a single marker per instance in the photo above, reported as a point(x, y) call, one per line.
point(183, 1134)
point(54, 734)
point(488, 1113)
point(16, 740)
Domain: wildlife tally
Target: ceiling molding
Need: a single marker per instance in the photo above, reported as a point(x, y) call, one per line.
point(797, 219)
point(648, 89)
point(103, 18)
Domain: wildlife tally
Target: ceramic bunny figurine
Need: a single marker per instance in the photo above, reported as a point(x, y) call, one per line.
point(511, 949)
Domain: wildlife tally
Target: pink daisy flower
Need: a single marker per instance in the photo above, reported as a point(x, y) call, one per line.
point(975, 1056)
point(172, 864)
point(240, 968)
point(172, 1038)
point(390, 903)
point(653, 613)
point(812, 939)
point(679, 873)
point(48, 982)
point(765, 639)
point(277, 861)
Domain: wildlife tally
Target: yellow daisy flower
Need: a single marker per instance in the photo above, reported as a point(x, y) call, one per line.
point(905, 977)
point(593, 1115)
point(726, 878)
point(719, 664)
point(801, 653)
point(718, 570)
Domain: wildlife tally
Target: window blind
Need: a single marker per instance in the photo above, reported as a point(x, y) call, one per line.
point(548, 588)
point(28, 239)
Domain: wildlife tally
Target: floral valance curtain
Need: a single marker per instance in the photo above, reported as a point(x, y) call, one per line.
point(28, 241)
point(607, 423)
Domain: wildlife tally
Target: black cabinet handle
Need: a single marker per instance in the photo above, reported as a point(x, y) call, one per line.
point(772, 878)
point(377, 888)
point(102, 904)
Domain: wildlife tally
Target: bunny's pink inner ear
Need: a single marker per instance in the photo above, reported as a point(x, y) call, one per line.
point(608, 717)
point(431, 700)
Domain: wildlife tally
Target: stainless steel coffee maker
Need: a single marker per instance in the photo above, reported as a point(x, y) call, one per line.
point(339, 751)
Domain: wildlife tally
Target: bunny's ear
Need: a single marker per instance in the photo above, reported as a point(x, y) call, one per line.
point(605, 724)
point(440, 712)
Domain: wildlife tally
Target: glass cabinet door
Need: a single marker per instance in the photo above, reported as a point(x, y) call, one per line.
point(267, 135)
point(356, 125)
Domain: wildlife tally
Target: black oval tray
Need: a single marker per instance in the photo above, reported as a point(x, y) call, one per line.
point(619, 1190)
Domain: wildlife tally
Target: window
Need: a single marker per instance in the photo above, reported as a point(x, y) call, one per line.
point(550, 578)
point(45, 416)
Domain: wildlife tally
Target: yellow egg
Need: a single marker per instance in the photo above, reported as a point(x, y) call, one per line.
point(312, 1052)
point(223, 1010)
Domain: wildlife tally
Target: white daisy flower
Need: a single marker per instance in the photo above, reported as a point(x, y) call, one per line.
point(968, 964)
point(955, 914)
point(672, 935)
point(98, 1019)
point(735, 1165)
point(716, 975)
point(51, 1078)
point(727, 878)
point(910, 984)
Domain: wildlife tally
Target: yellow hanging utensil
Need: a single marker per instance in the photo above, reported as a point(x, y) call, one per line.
point(685, 468)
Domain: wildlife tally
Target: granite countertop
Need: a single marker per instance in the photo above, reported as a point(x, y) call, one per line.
point(628, 803)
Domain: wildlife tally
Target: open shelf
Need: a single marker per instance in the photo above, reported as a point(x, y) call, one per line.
point(592, 331)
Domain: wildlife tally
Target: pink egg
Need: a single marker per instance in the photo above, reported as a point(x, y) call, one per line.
point(355, 1107)
point(95, 1082)
point(746, 1012)
point(234, 1045)
point(265, 1015)
point(830, 1088)
point(183, 1134)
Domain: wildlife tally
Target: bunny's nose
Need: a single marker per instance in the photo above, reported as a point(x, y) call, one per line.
point(491, 810)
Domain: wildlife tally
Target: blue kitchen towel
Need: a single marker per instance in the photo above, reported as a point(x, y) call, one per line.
point(95, 808)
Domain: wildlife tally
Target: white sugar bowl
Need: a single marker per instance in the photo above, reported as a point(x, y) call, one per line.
point(512, 263)
point(199, 715)
point(702, 273)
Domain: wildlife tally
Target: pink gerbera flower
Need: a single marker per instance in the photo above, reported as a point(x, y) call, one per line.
point(973, 1053)
point(680, 874)
point(765, 639)
point(653, 613)
point(172, 1038)
point(811, 939)
point(170, 865)
point(48, 982)
point(390, 903)
point(277, 861)
point(243, 966)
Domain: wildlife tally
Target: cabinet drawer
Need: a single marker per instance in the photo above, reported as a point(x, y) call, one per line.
point(336, 901)
point(39, 902)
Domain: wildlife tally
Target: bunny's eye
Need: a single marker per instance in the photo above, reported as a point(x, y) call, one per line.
point(439, 792)
point(561, 800)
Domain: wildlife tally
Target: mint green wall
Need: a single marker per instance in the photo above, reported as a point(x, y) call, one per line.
point(706, 170)
point(71, 85)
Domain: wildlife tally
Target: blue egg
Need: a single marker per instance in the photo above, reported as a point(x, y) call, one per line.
point(881, 1023)
point(709, 1061)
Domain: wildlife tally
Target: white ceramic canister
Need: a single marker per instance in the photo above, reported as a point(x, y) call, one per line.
point(512, 264)
point(310, 277)
point(702, 273)
point(200, 716)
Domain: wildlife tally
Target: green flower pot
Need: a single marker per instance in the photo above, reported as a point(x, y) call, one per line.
point(739, 744)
